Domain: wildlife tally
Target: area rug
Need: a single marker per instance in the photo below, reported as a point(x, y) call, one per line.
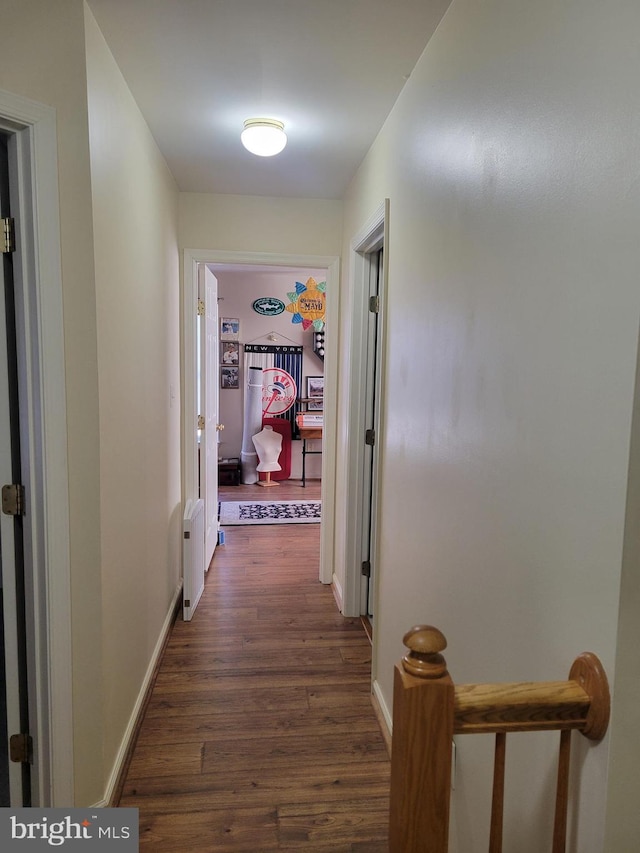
point(270, 512)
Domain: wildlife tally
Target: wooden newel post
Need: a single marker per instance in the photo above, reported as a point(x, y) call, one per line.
point(423, 711)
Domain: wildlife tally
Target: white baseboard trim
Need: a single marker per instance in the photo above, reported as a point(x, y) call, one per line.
point(337, 592)
point(142, 695)
point(387, 719)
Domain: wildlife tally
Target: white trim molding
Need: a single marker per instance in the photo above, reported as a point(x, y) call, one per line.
point(370, 237)
point(39, 317)
point(147, 683)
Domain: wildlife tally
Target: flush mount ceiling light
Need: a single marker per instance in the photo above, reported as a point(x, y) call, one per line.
point(263, 136)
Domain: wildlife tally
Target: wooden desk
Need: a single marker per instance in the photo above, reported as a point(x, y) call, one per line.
point(308, 434)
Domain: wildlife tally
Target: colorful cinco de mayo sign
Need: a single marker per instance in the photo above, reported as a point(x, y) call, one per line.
point(308, 304)
point(278, 391)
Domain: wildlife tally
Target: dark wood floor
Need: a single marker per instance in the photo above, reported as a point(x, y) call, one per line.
point(260, 734)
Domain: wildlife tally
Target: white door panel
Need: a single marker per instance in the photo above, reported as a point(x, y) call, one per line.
point(210, 360)
point(204, 525)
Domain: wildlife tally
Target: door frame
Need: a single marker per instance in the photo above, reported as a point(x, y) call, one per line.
point(40, 332)
point(14, 697)
point(373, 365)
point(372, 236)
point(192, 257)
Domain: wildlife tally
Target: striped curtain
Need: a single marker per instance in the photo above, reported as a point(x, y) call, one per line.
point(292, 363)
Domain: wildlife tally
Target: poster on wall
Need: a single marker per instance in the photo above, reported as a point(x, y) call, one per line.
point(230, 352)
point(315, 393)
point(230, 377)
point(229, 329)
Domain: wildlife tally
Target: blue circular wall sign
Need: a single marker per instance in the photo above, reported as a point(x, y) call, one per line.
point(268, 306)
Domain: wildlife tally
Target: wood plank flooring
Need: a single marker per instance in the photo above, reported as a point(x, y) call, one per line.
point(259, 734)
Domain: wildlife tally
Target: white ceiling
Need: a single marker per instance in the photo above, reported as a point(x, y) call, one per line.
point(331, 70)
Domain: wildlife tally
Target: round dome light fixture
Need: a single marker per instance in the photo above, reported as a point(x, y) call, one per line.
point(263, 136)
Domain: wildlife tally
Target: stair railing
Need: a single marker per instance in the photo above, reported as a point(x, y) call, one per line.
point(429, 709)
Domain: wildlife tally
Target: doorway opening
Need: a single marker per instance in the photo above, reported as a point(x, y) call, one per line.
point(372, 368)
point(15, 778)
point(40, 661)
point(366, 395)
point(193, 259)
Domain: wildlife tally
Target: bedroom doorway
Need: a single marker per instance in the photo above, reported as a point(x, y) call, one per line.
point(15, 784)
point(371, 433)
point(214, 259)
point(34, 321)
point(365, 424)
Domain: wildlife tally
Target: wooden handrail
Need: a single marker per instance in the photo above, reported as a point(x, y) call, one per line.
point(428, 709)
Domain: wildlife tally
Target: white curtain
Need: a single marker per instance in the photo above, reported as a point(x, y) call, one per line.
point(254, 359)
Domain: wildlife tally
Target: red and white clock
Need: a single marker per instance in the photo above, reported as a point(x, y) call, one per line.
point(279, 391)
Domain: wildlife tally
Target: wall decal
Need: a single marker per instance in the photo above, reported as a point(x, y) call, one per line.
point(308, 304)
point(279, 391)
point(268, 306)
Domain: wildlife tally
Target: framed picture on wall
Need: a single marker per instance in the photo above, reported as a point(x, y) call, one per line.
point(229, 329)
point(229, 377)
point(230, 353)
point(315, 389)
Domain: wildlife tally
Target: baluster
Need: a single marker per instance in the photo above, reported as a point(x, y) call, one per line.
point(562, 794)
point(429, 709)
point(497, 802)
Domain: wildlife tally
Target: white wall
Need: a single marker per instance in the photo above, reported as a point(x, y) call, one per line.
point(135, 202)
point(43, 58)
point(623, 819)
point(510, 161)
point(266, 226)
point(294, 226)
point(237, 290)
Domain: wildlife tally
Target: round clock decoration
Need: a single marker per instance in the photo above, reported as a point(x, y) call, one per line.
point(279, 391)
point(268, 306)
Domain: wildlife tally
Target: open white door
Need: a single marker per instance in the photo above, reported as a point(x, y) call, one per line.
point(200, 523)
point(209, 405)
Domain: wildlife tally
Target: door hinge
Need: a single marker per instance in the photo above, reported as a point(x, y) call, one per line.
point(370, 437)
point(7, 235)
point(366, 568)
point(13, 499)
point(374, 304)
point(200, 310)
point(21, 748)
point(200, 421)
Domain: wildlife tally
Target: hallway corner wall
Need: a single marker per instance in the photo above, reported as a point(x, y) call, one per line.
point(135, 212)
point(43, 58)
point(510, 163)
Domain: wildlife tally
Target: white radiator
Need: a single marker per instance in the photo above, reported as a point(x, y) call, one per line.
point(192, 557)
